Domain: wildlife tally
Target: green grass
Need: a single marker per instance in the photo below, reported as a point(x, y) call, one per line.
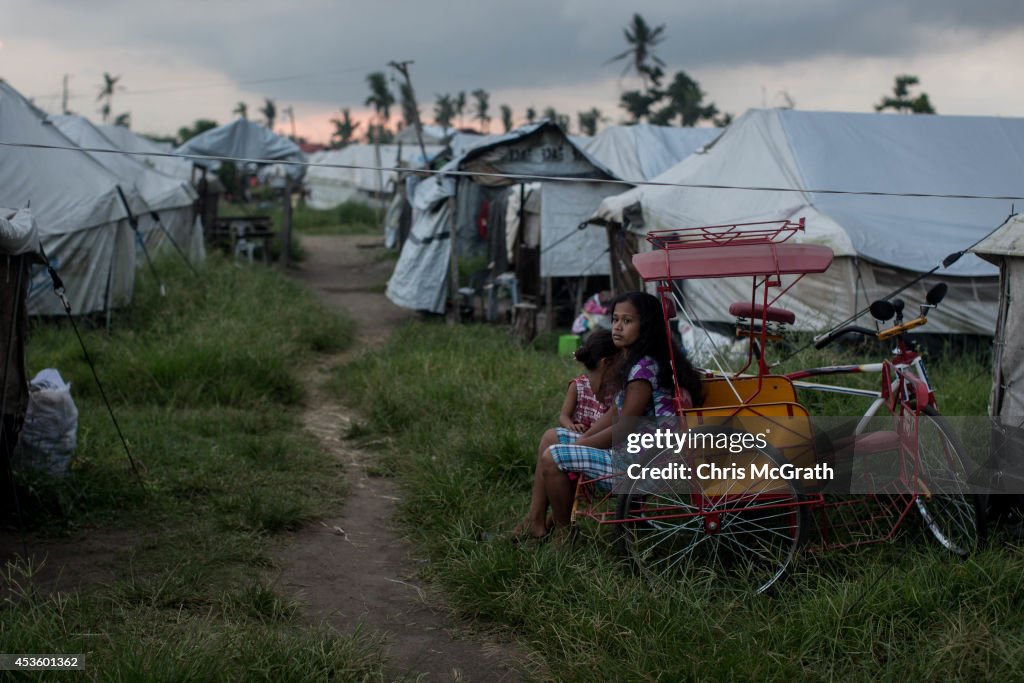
point(349, 218)
point(205, 386)
point(460, 411)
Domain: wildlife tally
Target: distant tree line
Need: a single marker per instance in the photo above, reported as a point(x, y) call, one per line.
point(661, 101)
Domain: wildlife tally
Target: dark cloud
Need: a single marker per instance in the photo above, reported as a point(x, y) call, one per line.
point(459, 45)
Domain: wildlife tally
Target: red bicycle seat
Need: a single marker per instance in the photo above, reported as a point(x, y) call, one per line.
point(742, 309)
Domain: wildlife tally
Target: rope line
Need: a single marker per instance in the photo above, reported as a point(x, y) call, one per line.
point(58, 290)
point(519, 176)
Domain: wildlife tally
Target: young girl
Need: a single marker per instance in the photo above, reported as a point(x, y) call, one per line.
point(585, 401)
point(643, 386)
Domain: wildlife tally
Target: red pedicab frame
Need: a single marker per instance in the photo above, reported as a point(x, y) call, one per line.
point(752, 528)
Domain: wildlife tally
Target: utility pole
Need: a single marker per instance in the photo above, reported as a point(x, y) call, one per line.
point(291, 117)
point(64, 97)
point(403, 68)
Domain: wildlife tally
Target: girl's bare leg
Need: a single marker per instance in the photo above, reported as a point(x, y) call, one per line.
point(558, 490)
point(536, 519)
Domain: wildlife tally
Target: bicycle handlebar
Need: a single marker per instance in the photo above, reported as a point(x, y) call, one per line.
point(882, 335)
point(842, 331)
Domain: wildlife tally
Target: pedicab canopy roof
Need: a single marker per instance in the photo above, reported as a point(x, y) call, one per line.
point(244, 139)
point(738, 260)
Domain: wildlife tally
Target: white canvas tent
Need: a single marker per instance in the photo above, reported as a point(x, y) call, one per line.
point(350, 174)
point(637, 152)
point(643, 151)
point(432, 135)
point(170, 200)
point(153, 154)
point(1005, 248)
point(880, 242)
point(81, 218)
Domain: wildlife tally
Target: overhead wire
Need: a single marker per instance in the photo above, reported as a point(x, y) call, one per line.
point(222, 84)
point(517, 176)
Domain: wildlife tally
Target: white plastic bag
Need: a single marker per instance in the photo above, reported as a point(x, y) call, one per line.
point(50, 434)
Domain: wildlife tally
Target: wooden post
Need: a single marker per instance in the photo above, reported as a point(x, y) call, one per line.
point(453, 270)
point(524, 323)
point(612, 258)
point(549, 322)
point(286, 228)
point(379, 197)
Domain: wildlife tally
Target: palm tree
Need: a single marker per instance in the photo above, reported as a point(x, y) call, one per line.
point(344, 129)
point(901, 100)
point(444, 111)
point(686, 100)
point(381, 99)
point(460, 106)
point(642, 39)
point(269, 111)
point(107, 94)
point(506, 117)
point(410, 113)
point(482, 104)
point(588, 121)
point(242, 109)
point(637, 104)
point(289, 111)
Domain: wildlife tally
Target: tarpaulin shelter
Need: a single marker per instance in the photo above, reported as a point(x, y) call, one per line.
point(82, 221)
point(823, 166)
point(244, 139)
point(447, 206)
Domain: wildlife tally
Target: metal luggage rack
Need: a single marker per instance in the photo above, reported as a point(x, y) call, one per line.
point(763, 232)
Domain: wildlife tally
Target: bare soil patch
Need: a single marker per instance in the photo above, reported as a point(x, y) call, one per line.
point(356, 567)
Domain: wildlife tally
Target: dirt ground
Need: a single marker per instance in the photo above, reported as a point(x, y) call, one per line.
point(356, 568)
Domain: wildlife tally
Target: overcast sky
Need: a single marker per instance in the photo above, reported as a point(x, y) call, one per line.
point(182, 60)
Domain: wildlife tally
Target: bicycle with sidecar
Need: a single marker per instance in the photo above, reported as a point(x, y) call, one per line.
point(747, 475)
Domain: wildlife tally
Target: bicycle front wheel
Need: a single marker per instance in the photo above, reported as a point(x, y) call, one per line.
point(950, 511)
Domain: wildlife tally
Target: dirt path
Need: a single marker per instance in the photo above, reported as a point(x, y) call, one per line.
point(356, 568)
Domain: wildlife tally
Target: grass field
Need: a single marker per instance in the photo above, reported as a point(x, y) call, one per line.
point(350, 218)
point(461, 426)
point(205, 386)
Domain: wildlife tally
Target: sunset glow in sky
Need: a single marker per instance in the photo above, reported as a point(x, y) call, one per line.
point(179, 61)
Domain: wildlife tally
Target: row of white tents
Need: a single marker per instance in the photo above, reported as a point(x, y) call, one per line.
point(82, 202)
point(892, 195)
point(105, 199)
point(888, 193)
